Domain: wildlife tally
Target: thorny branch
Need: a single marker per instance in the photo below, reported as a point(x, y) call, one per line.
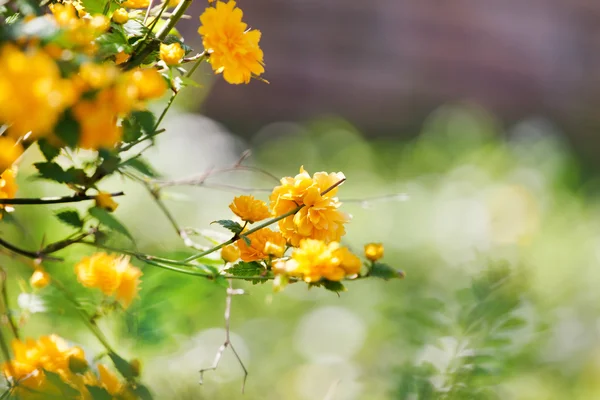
point(227, 343)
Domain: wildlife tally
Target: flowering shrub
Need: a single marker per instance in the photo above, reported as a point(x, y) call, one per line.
point(79, 75)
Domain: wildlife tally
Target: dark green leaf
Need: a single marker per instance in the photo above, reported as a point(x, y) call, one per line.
point(384, 271)
point(246, 240)
point(246, 269)
point(111, 43)
point(122, 366)
point(132, 130)
point(98, 393)
point(67, 129)
point(110, 161)
point(50, 152)
point(146, 120)
point(70, 217)
point(334, 286)
point(54, 172)
point(107, 219)
point(141, 165)
point(57, 382)
point(230, 225)
point(142, 392)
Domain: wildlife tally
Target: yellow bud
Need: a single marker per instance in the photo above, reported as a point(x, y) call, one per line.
point(120, 16)
point(172, 53)
point(104, 200)
point(373, 251)
point(136, 367)
point(39, 279)
point(230, 253)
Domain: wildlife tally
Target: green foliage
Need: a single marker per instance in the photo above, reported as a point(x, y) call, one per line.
point(108, 220)
point(70, 217)
point(233, 226)
point(384, 271)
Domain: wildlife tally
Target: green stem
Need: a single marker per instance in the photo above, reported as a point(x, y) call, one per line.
point(9, 314)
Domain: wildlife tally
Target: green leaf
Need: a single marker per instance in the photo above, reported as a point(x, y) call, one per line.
point(107, 219)
point(122, 366)
point(142, 392)
point(246, 240)
point(384, 271)
point(67, 129)
point(246, 269)
point(98, 393)
point(512, 323)
point(334, 286)
point(113, 42)
point(50, 152)
point(57, 382)
point(146, 120)
point(110, 161)
point(132, 130)
point(70, 217)
point(141, 165)
point(230, 225)
point(54, 172)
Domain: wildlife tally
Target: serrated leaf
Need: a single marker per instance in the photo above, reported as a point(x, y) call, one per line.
point(111, 43)
point(229, 224)
point(105, 218)
point(50, 152)
point(384, 271)
point(70, 217)
point(122, 365)
point(98, 393)
point(246, 269)
point(57, 382)
point(334, 286)
point(142, 166)
point(54, 172)
point(142, 392)
point(146, 120)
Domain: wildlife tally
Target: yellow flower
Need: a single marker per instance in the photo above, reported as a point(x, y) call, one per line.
point(172, 53)
point(149, 83)
point(249, 209)
point(136, 3)
point(39, 279)
point(233, 48)
point(314, 260)
point(319, 218)
point(96, 76)
point(104, 200)
point(98, 122)
point(8, 185)
point(263, 244)
point(230, 253)
point(32, 92)
point(120, 16)
point(373, 251)
point(109, 380)
point(113, 275)
point(10, 151)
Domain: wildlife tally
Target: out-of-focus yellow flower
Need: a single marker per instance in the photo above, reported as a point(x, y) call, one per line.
point(249, 209)
point(230, 253)
point(121, 57)
point(120, 16)
point(233, 48)
point(373, 251)
point(10, 150)
point(112, 274)
point(8, 185)
point(98, 122)
point(32, 92)
point(149, 83)
point(172, 53)
point(264, 243)
point(39, 279)
point(97, 76)
point(319, 218)
point(109, 380)
point(136, 3)
point(314, 260)
point(104, 200)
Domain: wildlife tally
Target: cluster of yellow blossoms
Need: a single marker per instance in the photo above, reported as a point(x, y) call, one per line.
point(310, 223)
point(34, 360)
point(112, 274)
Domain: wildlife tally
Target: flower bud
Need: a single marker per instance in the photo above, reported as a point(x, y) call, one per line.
point(120, 16)
point(39, 279)
point(230, 253)
point(104, 200)
point(373, 251)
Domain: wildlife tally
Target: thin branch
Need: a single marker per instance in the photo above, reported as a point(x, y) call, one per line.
point(9, 314)
point(27, 253)
point(227, 343)
point(54, 200)
point(200, 180)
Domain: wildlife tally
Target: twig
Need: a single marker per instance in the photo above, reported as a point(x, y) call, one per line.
point(27, 253)
point(54, 200)
point(9, 315)
point(227, 343)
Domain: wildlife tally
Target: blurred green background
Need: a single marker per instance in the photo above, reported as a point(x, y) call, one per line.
point(495, 229)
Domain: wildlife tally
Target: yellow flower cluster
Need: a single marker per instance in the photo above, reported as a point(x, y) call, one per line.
point(8, 186)
point(34, 359)
point(320, 217)
point(233, 48)
point(264, 244)
point(112, 274)
point(314, 260)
